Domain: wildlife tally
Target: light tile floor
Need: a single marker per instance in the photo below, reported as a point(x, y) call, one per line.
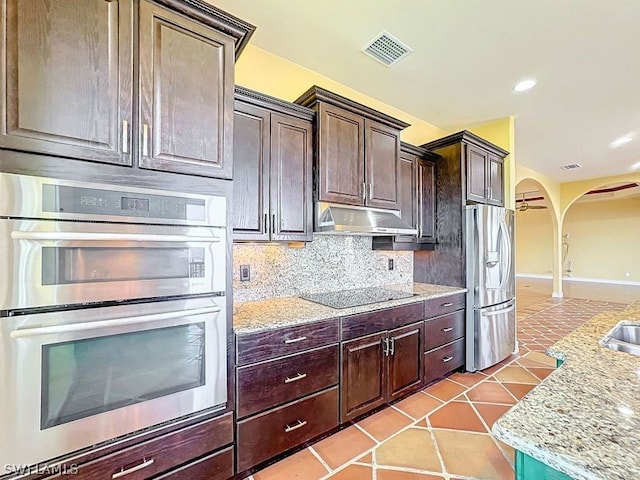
point(443, 431)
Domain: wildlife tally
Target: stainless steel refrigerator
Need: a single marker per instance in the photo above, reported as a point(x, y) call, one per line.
point(491, 316)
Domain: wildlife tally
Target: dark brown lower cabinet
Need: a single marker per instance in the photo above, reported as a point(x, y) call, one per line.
point(275, 431)
point(159, 456)
point(442, 360)
point(379, 368)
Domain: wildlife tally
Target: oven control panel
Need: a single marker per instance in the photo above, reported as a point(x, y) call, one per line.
point(68, 199)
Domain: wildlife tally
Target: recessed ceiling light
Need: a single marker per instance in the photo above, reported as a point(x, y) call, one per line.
point(524, 85)
point(621, 141)
point(636, 166)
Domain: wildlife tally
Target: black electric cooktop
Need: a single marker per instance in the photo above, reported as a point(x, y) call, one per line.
point(355, 297)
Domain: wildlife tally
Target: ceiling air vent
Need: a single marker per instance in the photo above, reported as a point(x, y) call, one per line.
point(571, 166)
point(386, 49)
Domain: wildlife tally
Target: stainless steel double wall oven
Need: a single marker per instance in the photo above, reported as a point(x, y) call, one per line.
point(113, 312)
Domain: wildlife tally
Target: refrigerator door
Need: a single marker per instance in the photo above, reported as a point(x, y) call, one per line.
point(495, 335)
point(490, 254)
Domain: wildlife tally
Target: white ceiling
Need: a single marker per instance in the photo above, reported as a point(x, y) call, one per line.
point(467, 56)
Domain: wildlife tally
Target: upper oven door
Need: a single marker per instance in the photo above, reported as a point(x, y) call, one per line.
point(50, 262)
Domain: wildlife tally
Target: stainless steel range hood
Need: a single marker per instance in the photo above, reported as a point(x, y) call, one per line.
point(350, 220)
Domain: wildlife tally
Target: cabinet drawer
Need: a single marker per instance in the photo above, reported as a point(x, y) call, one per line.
point(267, 384)
point(445, 329)
point(218, 466)
point(442, 305)
point(268, 434)
point(268, 344)
point(163, 453)
point(442, 360)
point(362, 324)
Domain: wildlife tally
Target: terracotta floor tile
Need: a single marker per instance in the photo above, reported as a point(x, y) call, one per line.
point(457, 416)
point(467, 379)
point(300, 466)
point(385, 423)
point(541, 373)
point(492, 370)
point(508, 451)
point(472, 455)
point(541, 358)
point(519, 390)
point(412, 448)
point(516, 375)
point(490, 392)
point(491, 412)
point(445, 390)
point(396, 475)
point(353, 472)
point(418, 405)
point(529, 362)
point(368, 458)
point(338, 449)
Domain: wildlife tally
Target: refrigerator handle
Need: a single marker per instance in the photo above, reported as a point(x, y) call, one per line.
point(506, 244)
point(493, 313)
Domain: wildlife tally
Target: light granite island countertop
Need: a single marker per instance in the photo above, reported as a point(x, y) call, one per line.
point(584, 419)
point(260, 315)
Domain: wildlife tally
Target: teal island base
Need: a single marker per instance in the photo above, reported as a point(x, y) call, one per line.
point(528, 468)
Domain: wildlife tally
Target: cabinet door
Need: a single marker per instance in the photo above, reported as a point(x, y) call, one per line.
point(407, 197)
point(340, 156)
point(382, 154)
point(364, 375)
point(291, 181)
point(251, 173)
point(405, 359)
point(476, 174)
point(495, 181)
point(426, 201)
point(186, 95)
point(67, 78)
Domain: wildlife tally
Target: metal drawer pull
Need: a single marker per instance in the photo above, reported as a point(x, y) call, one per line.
point(145, 463)
point(299, 376)
point(145, 140)
point(392, 351)
point(299, 424)
point(447, 359)
point(447, 329)
point(125, 136)
point(295, 340)
point(448, 304)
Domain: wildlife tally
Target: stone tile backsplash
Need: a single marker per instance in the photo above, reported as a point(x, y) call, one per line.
point(330, 262)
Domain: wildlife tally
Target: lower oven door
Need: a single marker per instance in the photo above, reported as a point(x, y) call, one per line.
point(49, 262)
point(73, 379)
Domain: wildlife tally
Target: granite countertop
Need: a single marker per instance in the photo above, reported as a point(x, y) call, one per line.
point(584, 419)
point(250, 317)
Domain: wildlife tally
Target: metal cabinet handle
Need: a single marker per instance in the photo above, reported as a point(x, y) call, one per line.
point(392, 342)
point(291, 428)
point(295, 378)
point(145, 463)
point(125, 136)
point(295, 340)
point(448, 304)
point(447, 329)
point(145, 140)
point(370, 191)
point(385, 347)
point(364, 191)
point(273, 223)
point(447, 359)
point(265, 225)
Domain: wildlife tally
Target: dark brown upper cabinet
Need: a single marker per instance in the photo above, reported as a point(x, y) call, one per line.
point(417, 194)
point(481, 165)
point(358, 151)
point(273, 155)
point(69, 81)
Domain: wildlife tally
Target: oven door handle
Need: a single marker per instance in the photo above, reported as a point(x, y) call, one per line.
point(116, 322)
point(96, 236)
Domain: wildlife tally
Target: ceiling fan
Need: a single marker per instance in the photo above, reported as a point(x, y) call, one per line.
point(524, 204)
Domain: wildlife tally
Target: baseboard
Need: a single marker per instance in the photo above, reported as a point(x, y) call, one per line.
point(557, 295)
point(579, 279)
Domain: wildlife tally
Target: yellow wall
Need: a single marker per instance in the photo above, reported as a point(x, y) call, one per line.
point(571, 191)
point(534, 242)
point(265, 72)
point(604, 238)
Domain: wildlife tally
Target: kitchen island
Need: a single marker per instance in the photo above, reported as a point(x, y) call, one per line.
point(583, 421)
